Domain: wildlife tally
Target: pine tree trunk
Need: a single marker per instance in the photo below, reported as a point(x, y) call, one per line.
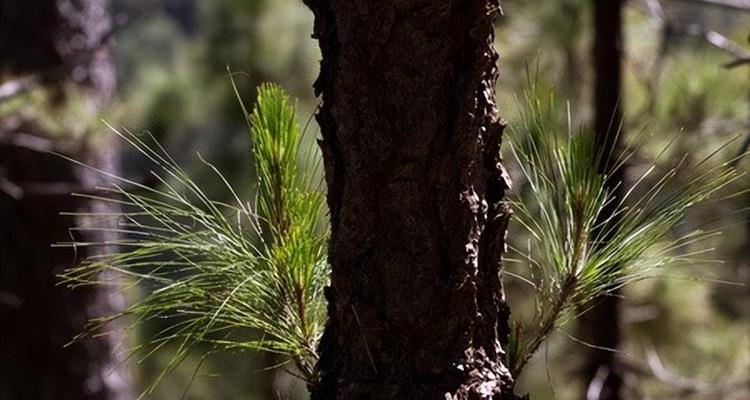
point(602, 326)
point(411, 146)
point(58, 42)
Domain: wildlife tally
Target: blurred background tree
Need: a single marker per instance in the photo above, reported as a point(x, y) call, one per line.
point(684, 335)
point(601, 325)
point(58, 75)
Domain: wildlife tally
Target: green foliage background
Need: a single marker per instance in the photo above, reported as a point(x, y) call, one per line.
point(172, 56)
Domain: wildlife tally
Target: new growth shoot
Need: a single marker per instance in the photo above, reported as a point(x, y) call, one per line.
point(232, 275)
point(570, 261)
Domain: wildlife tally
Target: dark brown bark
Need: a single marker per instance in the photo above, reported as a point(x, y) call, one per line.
point(411, 146)
point(58, 41)
point(602, 326)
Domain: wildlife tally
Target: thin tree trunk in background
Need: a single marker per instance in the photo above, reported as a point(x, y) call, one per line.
point(411, 146)
point(602, 325)
point(57, 41)
point(572, 12)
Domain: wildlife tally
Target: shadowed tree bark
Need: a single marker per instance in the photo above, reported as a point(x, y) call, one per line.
point(602, 326)
point(411, 146)
point(58, 42)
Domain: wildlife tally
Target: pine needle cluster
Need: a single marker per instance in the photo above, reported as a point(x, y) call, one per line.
point(575, 252)
point(227, 275)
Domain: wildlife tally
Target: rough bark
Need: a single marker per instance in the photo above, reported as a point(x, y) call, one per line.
point(58, 41)
point(602, 325)
point(411, 147)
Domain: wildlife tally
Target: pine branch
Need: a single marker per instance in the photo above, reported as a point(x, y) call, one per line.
point(217, 269)
point(741, 5)
point(569, 263)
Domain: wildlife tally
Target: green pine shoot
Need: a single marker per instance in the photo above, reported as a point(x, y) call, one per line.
point(570, 262)
point(221, 272)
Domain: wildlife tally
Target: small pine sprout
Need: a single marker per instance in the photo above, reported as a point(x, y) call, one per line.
point(567, 216)
point(219, 270)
